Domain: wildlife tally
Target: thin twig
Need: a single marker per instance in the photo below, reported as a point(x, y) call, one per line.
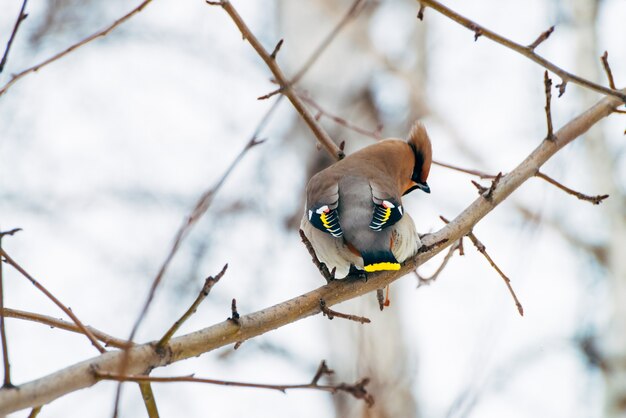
point(493, 186)
point(596, 199)
point(481, 189)
point(234, 315)
point(380, 297)
point(541, 38)
point(288, 91)
point(35, 411)
point(420, 12)
point(521, 49)
point(338, 120)
point(18, 22)
point(56, 301)
point(357, 389)
point(322, 370)
point(204, 292)
point(5, 346)
point(351, 13)
point(481, 248)
point(607, 69)
point(320, 266)
point(548, 88)
point(276, 49)
point(77, 45)
point(148, 399)
point(107, 339)
point(473, 172)
point(326, 311)
point(593, 199)
point(421, 280)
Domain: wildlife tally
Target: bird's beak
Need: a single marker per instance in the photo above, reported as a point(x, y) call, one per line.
point(423, 187)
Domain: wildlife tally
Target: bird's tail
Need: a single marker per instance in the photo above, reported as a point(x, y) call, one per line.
point(379, 261)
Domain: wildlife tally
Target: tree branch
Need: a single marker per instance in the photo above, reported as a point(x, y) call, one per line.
point(142, 357)
point(593, 199)
point(483, 250)
point(148, 399)
point(526, 51)
point(107, 339)
point(18, 22)
point(356, 389)
point(288, 90)
point(99, 34)
point(3, 336)
point(352, 12)
point(607, 69)
point(327, 312)
point(204, 292)
point(54, 299)
point(548, 88)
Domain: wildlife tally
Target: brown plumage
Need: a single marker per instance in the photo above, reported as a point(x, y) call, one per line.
point(354, 213)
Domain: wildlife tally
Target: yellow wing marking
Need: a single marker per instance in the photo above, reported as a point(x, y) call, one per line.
point(387, 215)
point(324, 220)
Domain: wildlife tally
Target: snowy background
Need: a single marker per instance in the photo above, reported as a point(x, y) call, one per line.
point(104, 152)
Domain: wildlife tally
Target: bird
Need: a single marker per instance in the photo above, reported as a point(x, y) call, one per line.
point(354, 217)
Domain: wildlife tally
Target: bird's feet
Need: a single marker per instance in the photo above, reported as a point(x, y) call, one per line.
point(357, 273)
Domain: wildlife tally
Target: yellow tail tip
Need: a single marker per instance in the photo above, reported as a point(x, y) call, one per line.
point(370, 268)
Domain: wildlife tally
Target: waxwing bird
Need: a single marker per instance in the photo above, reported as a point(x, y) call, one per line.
point(354, 214)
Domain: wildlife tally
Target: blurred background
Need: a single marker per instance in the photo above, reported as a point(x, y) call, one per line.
point(104, 152)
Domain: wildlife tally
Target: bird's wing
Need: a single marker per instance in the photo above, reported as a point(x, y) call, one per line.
point(387, 208)
point(322, 202)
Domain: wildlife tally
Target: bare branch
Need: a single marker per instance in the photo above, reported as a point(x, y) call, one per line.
point(493, 186)
point(481, 248)
point(10, 232)
point(548, 87)
point(63, 53)
point(204, 292)
point(148, 399)
point(142, 357)
point(481, 189)
point(276, 49)
point(3, 336)
point(56, 301)
point(20, 18)
point(420, 12)
point(108, 340)
point(234, 315)
point(523, 50)
point(421, 280)
point(329, 276)
point(326, 311)
point(322, 370)
point(593, 199)
point(288, 91)
point(338, 120)
point(36, 410)
point(351, 13)
point(607, 69)
point(562, 86)
point(357, 389)
point(473, 172)
point(380, 297)
point(541, 38)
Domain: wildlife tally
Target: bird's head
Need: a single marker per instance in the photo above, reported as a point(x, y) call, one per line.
point(422, 152)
